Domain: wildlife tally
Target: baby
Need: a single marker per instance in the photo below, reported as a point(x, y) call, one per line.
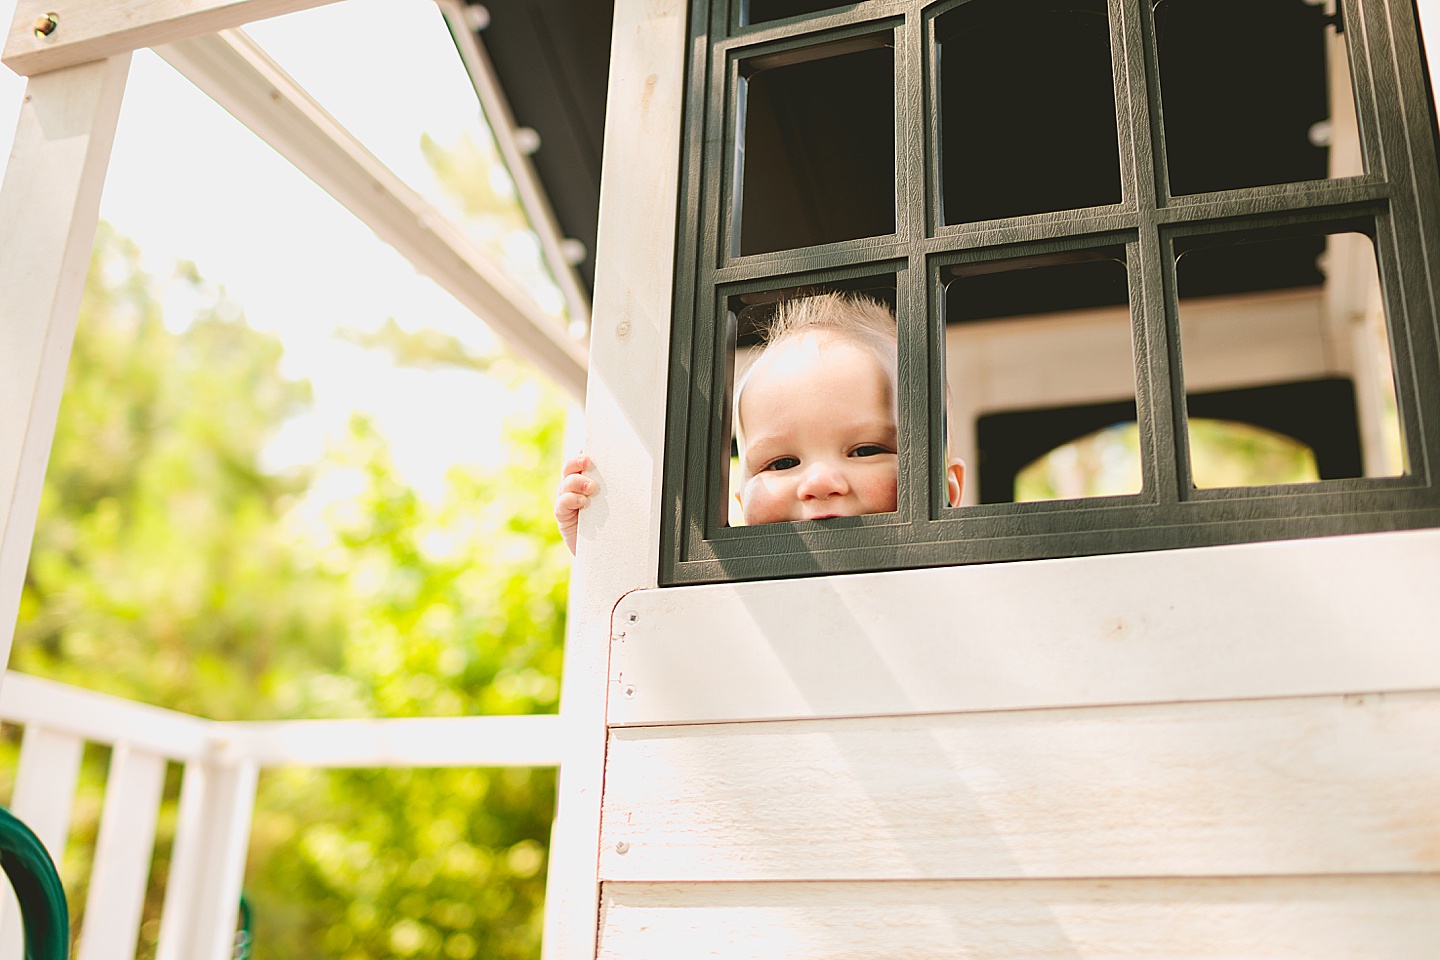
point(815, 420)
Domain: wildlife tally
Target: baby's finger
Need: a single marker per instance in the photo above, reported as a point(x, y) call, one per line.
point(575, 464)
point(569, 504)
point(578, 483)
point(568, 508)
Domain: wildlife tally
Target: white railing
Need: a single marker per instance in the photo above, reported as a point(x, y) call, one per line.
point(222, 762)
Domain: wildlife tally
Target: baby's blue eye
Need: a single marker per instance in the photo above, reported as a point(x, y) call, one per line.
point(870, 450)
point(783, 463)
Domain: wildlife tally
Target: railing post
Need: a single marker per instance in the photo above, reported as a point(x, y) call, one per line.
point(44, 795)
point(123, 850)
point(207, 862)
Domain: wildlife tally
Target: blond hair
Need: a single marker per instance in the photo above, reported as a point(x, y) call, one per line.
point(852, 315)
point(848, 316)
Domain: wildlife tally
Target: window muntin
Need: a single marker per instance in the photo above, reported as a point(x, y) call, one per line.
point(762, 11)
point(1398, 196)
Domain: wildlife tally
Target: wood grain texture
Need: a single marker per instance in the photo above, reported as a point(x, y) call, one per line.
point(1310, 918)
point(1295, 786)
point(619, 533)
point(91, 29)
point(49, 206)
point(1339, 615)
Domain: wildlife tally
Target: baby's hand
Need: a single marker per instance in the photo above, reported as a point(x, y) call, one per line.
point(573, 495)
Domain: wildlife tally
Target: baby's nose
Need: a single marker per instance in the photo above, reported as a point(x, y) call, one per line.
point(822, 479)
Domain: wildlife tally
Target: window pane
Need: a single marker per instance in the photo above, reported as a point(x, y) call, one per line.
point(1027, 108)
point(1254, 92)
point(1038, 355)
point(815, 372)
point(1289, 336)
point(1105, 463)
point(760, 11)
point(818, 148)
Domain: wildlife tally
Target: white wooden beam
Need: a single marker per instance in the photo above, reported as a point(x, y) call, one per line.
point(619, 542)
point(242, 78)
point(101, 718)
point(85, 30)
point(527, 183)
point(49, 207)
point(518, 741)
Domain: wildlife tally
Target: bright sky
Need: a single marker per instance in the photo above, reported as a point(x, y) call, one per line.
point(187, 181)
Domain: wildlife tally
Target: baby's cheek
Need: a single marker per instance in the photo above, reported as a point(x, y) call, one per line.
point(882, 490)
point(761, 501)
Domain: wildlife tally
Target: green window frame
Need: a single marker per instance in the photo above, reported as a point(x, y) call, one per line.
point(1397, 203)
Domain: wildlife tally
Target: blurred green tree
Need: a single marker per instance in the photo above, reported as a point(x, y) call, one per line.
point(161, 570)
point(169, 567)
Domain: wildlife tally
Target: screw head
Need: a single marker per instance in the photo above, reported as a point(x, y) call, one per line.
point(46, 23)
point(629, 692)
point(621, 847)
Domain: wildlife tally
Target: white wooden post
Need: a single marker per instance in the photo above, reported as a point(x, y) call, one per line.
point(44, 795)
point(123, 852)
point(619, 540)
point(207, 862)
point(49, 206)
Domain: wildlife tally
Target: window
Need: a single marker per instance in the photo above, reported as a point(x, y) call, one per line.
point(1177, 248)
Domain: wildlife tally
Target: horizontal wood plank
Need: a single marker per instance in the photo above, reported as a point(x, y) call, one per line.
point(102, 718)
point(86, 30)
point(1288, 618)
point(506, 741)
point(1328, 785)
point(1311, 918)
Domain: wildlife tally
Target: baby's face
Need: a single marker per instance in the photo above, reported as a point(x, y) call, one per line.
point(818, 418)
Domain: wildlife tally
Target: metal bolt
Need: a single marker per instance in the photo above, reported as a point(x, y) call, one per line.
point(630, 692)
point(45, 24)
point(477, 18)
point(527, 140)
point(632, 616)
point(573, 251)
point(621, 847)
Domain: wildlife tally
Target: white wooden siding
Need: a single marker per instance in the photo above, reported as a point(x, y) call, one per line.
point(1268, 918)
point(1337, 615)
point(1293, 786)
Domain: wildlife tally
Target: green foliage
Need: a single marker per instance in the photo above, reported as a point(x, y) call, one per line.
point(171, 567)
point(426, 349)
point(463, 612)
point(159, 570)
point(1223, 453)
